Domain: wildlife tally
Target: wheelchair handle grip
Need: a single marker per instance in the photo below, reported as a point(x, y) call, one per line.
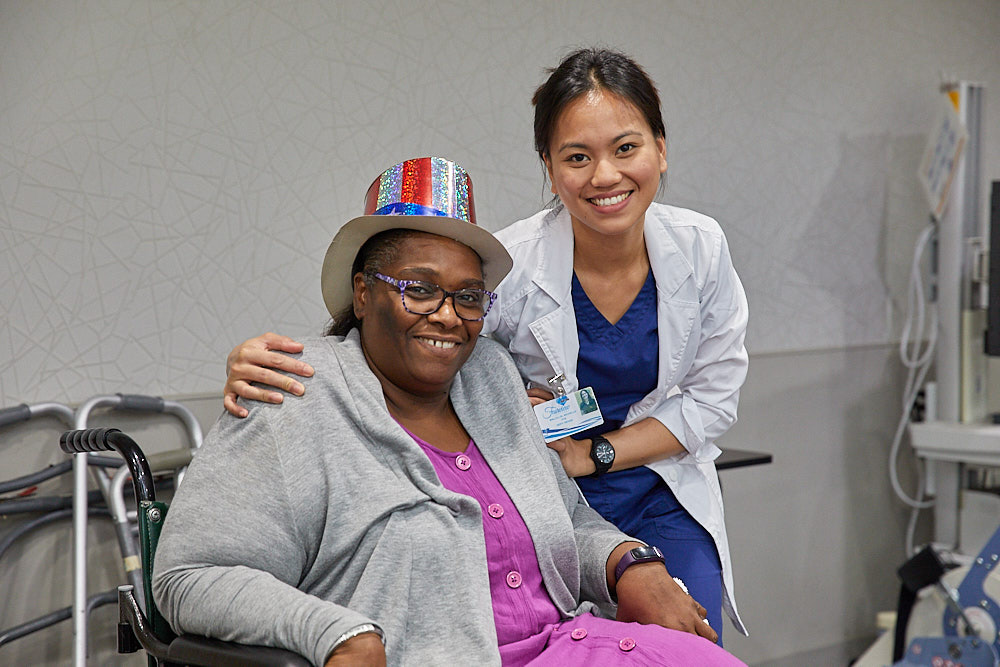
point(82, 441)
point(87, 440)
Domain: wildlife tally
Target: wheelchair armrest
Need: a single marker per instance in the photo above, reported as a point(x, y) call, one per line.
point(194, 650)
point(130, 615)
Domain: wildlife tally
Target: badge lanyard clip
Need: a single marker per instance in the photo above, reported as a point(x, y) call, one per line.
point(556, 384)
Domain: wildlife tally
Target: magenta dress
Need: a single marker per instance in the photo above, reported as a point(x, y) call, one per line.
point(530, 629)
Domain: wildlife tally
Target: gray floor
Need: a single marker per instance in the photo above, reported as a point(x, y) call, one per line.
point(838, 655)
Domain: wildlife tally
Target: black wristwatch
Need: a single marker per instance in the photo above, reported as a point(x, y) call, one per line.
point(602, 452)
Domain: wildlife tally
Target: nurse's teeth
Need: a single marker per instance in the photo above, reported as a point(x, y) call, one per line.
point(608, 201)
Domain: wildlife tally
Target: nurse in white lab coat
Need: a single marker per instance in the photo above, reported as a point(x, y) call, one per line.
point(701, 316)
point(638, 300)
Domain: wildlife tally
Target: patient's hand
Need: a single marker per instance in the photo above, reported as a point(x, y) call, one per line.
point(251, 360)
point(366, 649)
point(648, 594)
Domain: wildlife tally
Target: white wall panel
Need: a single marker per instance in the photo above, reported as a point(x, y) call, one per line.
point(171, 172)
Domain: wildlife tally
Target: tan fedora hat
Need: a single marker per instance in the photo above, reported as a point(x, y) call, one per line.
point(428, 194)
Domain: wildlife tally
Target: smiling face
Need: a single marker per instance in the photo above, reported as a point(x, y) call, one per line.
point(605, 163)
point(418, 355)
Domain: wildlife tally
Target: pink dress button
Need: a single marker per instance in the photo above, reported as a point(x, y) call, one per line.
point(463, 462)
point(578, 633)
point(626, 644)
point(495, 510)
point(514, 579)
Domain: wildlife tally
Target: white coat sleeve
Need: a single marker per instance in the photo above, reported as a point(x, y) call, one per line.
point(706, 406)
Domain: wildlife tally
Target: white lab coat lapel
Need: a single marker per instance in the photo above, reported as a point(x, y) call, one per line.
point(676, 314)
point(555, 330)
point(676, 308)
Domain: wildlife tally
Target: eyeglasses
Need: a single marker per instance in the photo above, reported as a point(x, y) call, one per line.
point(423, 298)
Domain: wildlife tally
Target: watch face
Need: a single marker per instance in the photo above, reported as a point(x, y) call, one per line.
point(604, 452)
point(646, 552)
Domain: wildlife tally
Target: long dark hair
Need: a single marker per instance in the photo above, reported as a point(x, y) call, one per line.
point(590, 69)
point(376, 252)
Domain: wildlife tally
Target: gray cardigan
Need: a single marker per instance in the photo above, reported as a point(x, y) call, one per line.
point(314, 516)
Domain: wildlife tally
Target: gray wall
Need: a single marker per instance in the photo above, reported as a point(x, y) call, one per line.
point(817, 534)
point(171, 172)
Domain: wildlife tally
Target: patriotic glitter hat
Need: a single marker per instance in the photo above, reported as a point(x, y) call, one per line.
point(428, 194)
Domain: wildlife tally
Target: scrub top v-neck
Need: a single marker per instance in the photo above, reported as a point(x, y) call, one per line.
point(620, 362)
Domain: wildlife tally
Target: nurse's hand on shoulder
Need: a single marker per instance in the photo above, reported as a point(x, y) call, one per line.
point(251, 361)
point(648, 594)
point(365, 649)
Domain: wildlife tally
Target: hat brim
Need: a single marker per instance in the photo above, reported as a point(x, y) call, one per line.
point(337, 279)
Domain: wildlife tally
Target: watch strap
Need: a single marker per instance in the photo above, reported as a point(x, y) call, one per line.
point(647, 554)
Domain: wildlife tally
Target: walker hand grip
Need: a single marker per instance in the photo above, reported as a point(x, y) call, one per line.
point(141, 403)
point(18, 413)
point(87, 440)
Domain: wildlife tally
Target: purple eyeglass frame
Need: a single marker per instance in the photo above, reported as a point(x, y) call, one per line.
point(403, 284)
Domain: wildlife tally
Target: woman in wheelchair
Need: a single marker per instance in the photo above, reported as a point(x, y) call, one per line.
point(406, 509)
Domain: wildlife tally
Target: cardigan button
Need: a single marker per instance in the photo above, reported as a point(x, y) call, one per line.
point(495, 510)
point(626, 644)
point(463, 462)
point(514, 579)
point(578, 633)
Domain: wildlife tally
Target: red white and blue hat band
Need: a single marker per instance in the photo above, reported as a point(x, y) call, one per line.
point(428, 194)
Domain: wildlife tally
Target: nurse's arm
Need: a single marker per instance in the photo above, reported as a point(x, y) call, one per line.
point(638, 444)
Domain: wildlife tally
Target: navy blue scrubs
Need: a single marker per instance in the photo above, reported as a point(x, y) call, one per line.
point(620, 362)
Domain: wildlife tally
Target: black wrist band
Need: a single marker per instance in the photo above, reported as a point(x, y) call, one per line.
point(602, 453)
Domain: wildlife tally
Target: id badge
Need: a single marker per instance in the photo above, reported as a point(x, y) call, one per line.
point(568, 414)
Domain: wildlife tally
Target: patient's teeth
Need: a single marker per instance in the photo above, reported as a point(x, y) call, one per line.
point(446, 344)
